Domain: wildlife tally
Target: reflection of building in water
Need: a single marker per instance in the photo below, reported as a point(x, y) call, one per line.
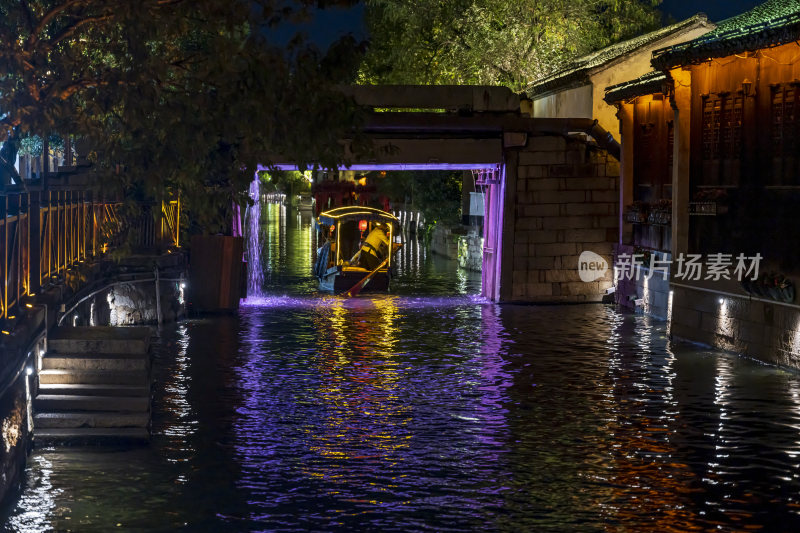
point(281, 258)
point(648, 480)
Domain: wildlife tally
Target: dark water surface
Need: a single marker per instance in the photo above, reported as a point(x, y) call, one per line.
point(429, 409)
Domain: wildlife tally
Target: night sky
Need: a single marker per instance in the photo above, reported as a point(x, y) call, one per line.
point(326, 26)
point(329, 24)
point(715, 9)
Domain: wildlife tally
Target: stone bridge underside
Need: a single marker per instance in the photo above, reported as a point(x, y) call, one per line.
point(552, 192)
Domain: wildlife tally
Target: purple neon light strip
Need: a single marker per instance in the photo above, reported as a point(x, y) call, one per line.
point(399, 166)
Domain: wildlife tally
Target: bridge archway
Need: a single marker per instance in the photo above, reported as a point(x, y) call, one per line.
point(488, 130)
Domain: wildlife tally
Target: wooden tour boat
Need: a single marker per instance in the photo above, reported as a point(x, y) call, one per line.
point(358, 247)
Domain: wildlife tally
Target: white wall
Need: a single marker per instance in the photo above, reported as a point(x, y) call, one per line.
point(587, 101)
point(572, 103)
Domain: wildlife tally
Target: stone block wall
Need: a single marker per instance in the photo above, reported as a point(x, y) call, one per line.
point(766, 331)
point(444, 242)
point(566, 202)
point(16, 435)
point(129, 304)
point(470, 251)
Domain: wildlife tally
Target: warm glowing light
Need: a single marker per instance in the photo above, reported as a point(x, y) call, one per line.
point(6, 332)
point(12, 317)
point(362, 225)
point(725, 323)
point(29, 306)
point(669, 310)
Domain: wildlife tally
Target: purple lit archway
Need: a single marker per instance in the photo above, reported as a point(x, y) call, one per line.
point(491, 179)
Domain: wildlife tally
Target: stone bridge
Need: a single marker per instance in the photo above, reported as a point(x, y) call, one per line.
point(551, 185)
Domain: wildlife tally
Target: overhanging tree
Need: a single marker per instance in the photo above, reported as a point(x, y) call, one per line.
point(495, 42)
point(185, 96)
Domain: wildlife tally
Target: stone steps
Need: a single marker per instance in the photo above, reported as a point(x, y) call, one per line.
point(94, 387)
point(95, 362)
point(53, 436)
point(99, 339)
point(91, 419)
point(72, 402)
point(94, 377)
point(87, 389)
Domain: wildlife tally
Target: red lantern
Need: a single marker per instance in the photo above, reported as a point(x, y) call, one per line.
point(362, 225)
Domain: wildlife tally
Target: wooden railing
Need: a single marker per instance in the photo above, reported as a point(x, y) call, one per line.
point(43, 233)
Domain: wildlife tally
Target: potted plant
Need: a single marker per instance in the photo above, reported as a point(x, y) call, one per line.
point(661, 212)
point(637, 212)
point(711, 201)
point(786, 289)
point(773, 286)
point(758, 286)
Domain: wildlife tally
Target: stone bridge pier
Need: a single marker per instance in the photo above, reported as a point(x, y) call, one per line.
point(561, 200)
point(551, 185)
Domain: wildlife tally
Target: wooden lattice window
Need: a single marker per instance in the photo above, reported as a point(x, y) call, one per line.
point(784, 120)
point(722, 127)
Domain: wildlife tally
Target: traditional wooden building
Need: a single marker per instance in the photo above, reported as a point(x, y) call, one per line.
point(576, 91)
point(717, 132)
point(646, 163)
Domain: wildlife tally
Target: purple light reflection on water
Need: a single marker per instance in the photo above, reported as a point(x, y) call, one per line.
point(352, 403)
point(362, 302)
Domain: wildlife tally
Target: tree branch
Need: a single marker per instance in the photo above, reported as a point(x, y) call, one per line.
point(48, 18)
point(69, 30)
point(77, 85)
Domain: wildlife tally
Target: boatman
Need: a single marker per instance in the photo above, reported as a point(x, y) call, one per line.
point(375, 248)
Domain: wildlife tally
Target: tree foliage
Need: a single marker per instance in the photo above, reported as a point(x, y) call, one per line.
point(435, 193)
point(284, 181)
point(494, 42)
point(186, 96)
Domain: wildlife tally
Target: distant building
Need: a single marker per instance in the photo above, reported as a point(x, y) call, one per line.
point(711, 144)
point(577, 90)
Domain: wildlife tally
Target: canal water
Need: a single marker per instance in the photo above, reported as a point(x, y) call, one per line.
point(430, 409)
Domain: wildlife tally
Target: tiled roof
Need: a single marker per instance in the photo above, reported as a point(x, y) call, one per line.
point(577, 72)
point(652, 82)
point(772, 23)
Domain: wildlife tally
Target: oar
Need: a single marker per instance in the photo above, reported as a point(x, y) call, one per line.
point(361, 284)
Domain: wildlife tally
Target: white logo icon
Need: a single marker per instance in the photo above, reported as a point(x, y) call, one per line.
point(591, 266)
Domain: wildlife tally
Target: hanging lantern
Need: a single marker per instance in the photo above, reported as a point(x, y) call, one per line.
point(362, 225)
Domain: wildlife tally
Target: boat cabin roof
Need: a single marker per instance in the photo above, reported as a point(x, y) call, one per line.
point(328, 218)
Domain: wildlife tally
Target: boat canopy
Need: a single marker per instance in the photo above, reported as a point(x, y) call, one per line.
point(329, 218)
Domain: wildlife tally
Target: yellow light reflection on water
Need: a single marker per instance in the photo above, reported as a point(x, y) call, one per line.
point(364, 417)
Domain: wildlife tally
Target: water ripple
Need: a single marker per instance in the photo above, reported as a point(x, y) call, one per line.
point(431, 409)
